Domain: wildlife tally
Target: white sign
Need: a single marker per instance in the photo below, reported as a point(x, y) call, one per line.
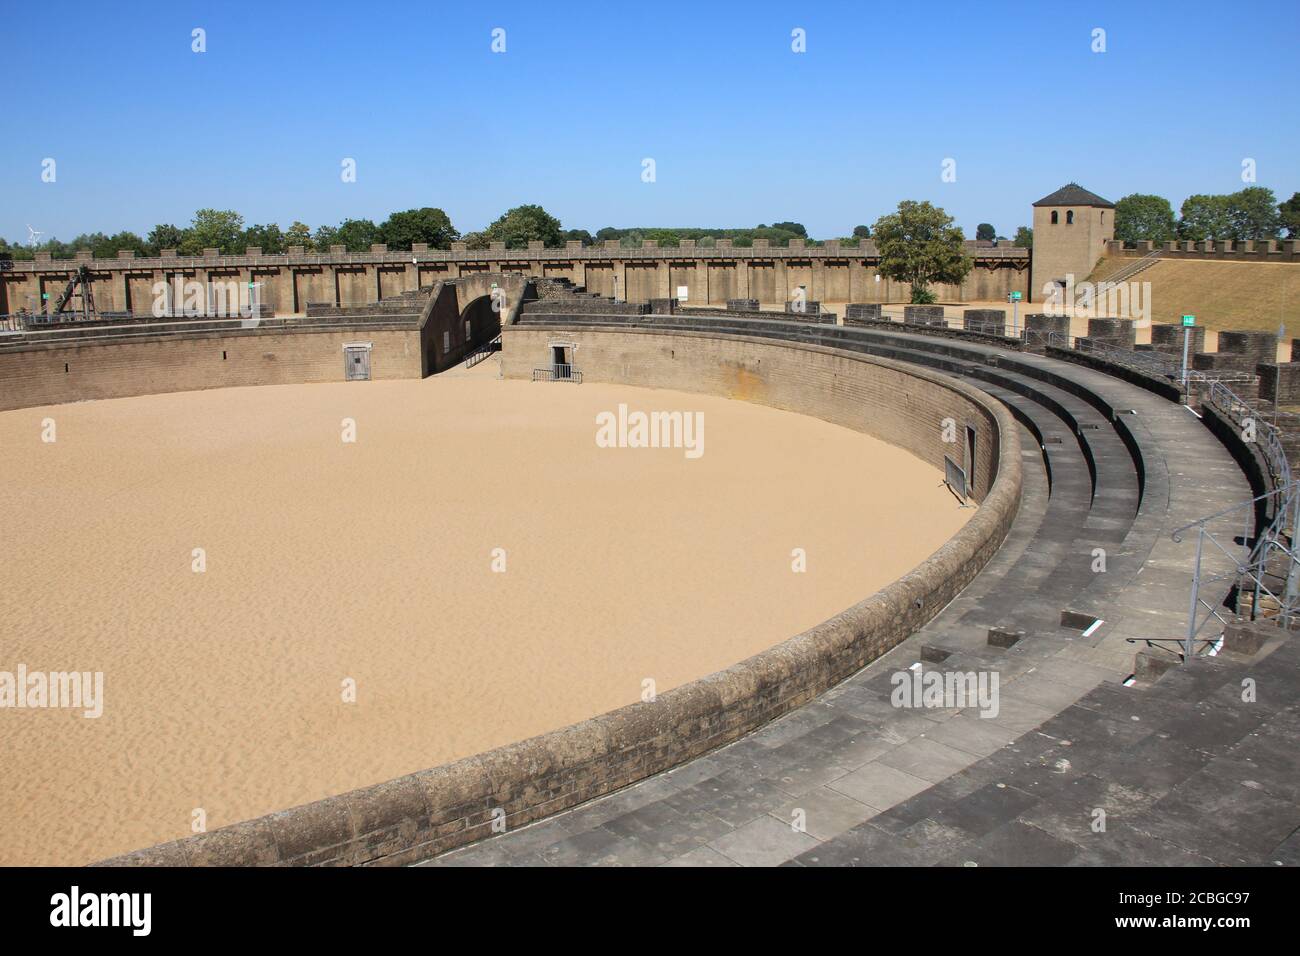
point(682, 293)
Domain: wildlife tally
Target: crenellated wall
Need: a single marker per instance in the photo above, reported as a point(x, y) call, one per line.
point(711, 274)
point(1250, 250)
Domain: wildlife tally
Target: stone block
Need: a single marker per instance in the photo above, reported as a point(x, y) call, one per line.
point(986, 321)
point(924, 315)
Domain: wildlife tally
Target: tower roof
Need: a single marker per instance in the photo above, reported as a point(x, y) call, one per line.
point(1072, 194)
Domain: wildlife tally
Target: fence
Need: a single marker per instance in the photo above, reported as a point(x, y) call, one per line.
point(558, 373)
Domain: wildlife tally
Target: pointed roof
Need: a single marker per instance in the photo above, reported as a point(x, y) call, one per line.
point(1072, 194)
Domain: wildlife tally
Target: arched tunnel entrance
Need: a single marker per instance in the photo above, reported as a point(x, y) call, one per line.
point(482, 323)
point(461, 319)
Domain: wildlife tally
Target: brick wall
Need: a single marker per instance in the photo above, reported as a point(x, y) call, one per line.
point(49, 375)
point(1279, 382)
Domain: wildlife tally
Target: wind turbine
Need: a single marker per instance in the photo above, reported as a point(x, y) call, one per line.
point(32, 234)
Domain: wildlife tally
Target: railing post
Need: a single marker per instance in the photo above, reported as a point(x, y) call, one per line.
point(1293, 573)
point(1196, 587)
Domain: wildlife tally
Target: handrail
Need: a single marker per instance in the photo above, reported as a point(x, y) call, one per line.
point(483, 351)
point(1278, 530)
point(558, 373)
point(1276, 537)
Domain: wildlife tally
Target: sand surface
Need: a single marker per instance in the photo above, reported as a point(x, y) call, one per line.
point(372, 561)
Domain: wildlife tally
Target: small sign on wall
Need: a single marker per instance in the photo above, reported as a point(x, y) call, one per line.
point(683, 293)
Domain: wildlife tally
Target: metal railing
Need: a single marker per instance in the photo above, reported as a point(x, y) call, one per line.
point(1270, 570)
point(482, 352)
point(1136, 266)
point(1277, 513)
point(558, 373)
point(1255, 574)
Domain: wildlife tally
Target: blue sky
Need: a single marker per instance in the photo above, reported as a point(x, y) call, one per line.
point(742, 130)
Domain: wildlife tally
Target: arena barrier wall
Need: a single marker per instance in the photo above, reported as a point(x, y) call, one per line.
point(431, 811)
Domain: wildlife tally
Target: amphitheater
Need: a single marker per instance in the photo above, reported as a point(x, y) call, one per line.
point(1109, 498)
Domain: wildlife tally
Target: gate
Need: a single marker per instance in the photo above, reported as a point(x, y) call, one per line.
point(356, 363)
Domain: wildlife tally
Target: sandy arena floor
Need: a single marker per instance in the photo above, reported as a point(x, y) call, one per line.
point(326, 561)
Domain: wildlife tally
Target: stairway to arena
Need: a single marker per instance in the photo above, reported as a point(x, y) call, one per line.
point(1088, 574)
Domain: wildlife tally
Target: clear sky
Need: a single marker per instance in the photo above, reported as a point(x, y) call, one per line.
point(742, 130)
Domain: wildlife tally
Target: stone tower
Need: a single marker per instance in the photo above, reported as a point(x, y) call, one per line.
point(1071, 229)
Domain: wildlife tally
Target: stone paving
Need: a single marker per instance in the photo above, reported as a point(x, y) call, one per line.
point(872, 783)
point(1182, 773)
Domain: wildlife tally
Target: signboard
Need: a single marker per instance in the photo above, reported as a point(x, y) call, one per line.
point(682, 293)
point(1189, 320)
point(1015, 297)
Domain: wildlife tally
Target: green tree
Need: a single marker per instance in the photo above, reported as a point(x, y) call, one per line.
point(121, 242)
point(427, 224)
point(861, 232)
point(324, 237)
point(95, 242)
point(1141, 216)
point(522, 225)
point(1024, 238)
point(1289, 213)
point(1253, 214)
point(220, 229)
point(1205, 217)
point(163, 237)
point(357, 234)
point(985, 231)
point(919, 245)
point(578, 235)
point(298, 235)
point(794, 227)
point(268, 238)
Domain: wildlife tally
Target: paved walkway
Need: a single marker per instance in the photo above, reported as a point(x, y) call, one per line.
point(824, 783)
point(1183, 773)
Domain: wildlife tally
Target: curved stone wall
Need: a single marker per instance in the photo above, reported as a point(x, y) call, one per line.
point(97, 368)
point(430, 811)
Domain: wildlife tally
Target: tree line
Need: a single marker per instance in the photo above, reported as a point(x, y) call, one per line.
point(225, 230)
point(1251, 213)
point(919, 243)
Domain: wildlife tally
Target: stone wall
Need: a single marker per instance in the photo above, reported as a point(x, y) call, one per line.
point(924, 315)
point(856, 312)
point(1250, 250)
point(1041, 327)
point(1279, 382)
point(1118, 333)
point(435, 810)
point(987, 321)
point(1168, 337)
point(584, 306)
point(711, 274)
point(95, 368)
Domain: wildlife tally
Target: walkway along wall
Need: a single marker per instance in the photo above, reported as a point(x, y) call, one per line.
point(711, 274)
point(431, 811)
